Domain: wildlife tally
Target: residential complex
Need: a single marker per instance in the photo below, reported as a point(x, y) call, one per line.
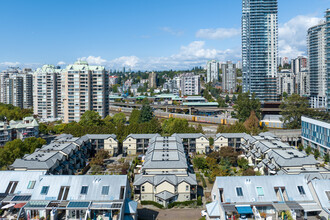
point(28, 127)
point(316, 48)
point(47, 92)
point(316, 134)
point(135, 144)
point(16, 88)
point(298, 64)
point(84, 87)
point(194, 143)
point(257, 196)
point(228, 77)
point(260, 48)
point(268, 154)
point(164, 176)
point(212, 71)
point(287, 82)
point(65, 154)
point(37, 195)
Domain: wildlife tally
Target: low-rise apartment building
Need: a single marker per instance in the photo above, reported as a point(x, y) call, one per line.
point(36, 195)
point(256, 196)
point(28, 127)
point(316, 133)
point(135, 144)
point(165, 176)
point(194, 142)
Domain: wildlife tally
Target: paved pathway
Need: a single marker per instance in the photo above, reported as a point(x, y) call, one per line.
point(169, 214)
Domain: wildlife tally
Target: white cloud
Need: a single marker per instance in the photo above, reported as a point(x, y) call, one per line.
point(7, 64)
point(61, 63)
point(93, 60)
point(127, 61)
point(292, 35)
point(171, 31)
point(218, 33)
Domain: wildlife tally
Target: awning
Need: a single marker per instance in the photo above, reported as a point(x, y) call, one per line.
point(244, 210)
point(19, 205)
point(281, 207)
point(310, 207)
point(7, 206)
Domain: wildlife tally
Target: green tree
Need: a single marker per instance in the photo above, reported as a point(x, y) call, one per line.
point(146, 113)
point(119, 118)
point(245, 104)
point(316, 153)
point(238, 127)
point(243, 163)
point(234, 98)
point(211, 141)
point(134, 117)
point(292, 108)
point(221, 102)
point(227, 98)
point(200, 163)
point(308, 150)
point(326, 158)
point(91, 118)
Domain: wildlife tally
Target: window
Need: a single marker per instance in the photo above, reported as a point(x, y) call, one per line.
point(44, 190)
point(31, 184)
point(301, 190)
point(142, 188)
point(105, 190)
point(63, 194)
point(260, 191)
point(187, 187)
point(239, 191)
point(11, 187)
point(84, 190)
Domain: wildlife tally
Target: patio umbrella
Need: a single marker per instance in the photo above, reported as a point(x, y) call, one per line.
point(7, 206)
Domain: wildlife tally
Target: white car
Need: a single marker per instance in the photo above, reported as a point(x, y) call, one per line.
point(204, 213)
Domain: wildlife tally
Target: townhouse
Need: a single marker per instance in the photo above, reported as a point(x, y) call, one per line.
point(266, 196)
point(194, 142)
point(135, 144)
point(65, 154)
point(268, 154)
point(165, 176)
point(28, 127)
point(34, 195)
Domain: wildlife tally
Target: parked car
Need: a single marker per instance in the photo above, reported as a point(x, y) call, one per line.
point(203, 213)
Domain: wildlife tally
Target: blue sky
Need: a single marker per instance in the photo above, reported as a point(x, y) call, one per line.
point(139, 34)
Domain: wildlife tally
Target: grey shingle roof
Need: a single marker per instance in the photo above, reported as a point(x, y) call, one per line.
point(165, 195)
point(189, 135)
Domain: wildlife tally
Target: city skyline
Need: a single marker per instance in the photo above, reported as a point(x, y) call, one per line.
point(141, 36)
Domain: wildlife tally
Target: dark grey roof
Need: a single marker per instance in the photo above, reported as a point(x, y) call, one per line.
point(189, 135)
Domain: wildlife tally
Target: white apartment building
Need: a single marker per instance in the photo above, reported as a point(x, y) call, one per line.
point(228, 77)
point(47, 92)
point(190, 84)
point(212, 71)
point(84, 87)
point(316, 48)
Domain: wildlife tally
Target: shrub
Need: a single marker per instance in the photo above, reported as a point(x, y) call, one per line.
point(199, 201)
point(185, 203)
point(152, 203)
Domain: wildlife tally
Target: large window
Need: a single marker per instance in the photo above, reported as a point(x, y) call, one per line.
point(31, 184)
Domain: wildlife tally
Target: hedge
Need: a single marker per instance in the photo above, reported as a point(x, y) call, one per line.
point(185, 203)
point(152, 203)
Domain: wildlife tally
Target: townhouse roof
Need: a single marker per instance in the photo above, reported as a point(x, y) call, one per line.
point(190, 178)
point(93, 184)
point(260, 189)
point(141, 136)
point(291, 157)
point(189, 135)
point(322, 190)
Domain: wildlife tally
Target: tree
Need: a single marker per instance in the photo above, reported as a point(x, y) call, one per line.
point(200, 163)
point(238, 127)
point(230, 154)
point(244, 105)
point(327, 158)
point(285, 95)
point(134, 117)
point(211, 141)
point(252, 123)
point(292, 108)
point(316, 153)
point(243, 163)
point(308, 150)
point(91, 118)
point(234, 98)
point(119, 118)
point(146, 113)
point(227, 98)
point(221, 102)
point(249, 172)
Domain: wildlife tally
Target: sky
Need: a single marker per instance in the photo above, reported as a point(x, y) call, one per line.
point(140, 34)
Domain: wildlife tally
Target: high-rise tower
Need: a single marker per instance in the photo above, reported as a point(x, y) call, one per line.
point(260, 48)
